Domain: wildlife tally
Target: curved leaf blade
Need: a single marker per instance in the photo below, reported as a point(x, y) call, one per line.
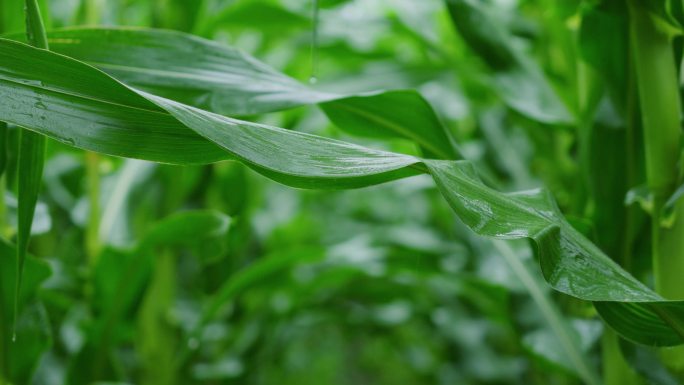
point(81, 106)
point(30, 161)
point(222, 79)
point(570, 263)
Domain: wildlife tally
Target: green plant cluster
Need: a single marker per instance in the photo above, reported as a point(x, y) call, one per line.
point(341, 192)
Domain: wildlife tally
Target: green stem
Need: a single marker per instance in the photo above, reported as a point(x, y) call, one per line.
point(35, 29)
point(661, 112)
point(93, 229)
point(660, 109)
point(631, 165)
point(157, 341)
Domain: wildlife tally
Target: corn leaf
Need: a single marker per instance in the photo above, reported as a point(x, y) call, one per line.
point(78, 93)
point(221, 79)
point(519, 80)
point(31, 157)
point(33, 329)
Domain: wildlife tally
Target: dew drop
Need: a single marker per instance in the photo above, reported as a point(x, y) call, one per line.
point(14, 337)
point(313, 79)
point(70, 141)
point(40, 105)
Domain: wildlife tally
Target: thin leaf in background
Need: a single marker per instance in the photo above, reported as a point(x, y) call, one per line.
point(514, 73)
point(140, 278)
point(567, 337)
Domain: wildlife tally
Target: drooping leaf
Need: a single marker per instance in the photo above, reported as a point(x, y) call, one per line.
point(67, 101)
point(570, 263)
point(222, 79)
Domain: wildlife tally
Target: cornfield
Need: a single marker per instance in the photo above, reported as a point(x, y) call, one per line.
point(341, 192)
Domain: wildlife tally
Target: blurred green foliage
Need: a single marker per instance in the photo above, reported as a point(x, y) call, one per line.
point(216, 275)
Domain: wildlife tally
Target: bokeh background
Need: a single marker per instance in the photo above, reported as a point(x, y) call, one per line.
point(216, 275)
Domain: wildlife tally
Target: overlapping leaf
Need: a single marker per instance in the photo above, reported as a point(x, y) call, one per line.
point(221, 79)
point(88, 109)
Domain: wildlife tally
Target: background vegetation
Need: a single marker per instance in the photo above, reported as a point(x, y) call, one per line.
point(155, 261)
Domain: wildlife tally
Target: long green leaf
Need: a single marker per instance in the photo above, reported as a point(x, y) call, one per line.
point(33, 332)
point(221, 79)
point(570, 263)
point(31, 158)
point(30, 166)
